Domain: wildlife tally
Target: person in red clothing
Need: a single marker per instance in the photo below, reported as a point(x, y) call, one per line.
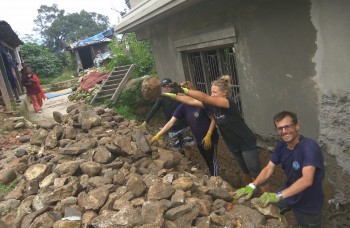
point(34, 91)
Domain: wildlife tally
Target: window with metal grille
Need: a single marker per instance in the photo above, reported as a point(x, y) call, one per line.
point(208, 65)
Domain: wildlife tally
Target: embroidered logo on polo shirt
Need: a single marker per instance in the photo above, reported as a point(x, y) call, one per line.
point(196, 114)
point(296, 165)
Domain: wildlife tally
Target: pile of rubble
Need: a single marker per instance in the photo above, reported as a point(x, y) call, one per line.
point(93, 168)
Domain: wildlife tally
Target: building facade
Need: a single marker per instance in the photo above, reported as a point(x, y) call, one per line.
point(282, 55)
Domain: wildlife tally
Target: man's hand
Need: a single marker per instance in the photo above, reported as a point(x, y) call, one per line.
point(247, 191)
point(207, 141)
point(266, 198)
point(155, 138)
point(176, 88)
point(170, 95)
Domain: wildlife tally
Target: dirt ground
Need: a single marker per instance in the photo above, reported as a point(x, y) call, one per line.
point(58, 104)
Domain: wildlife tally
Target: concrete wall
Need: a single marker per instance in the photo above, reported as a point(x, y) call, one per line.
point(332, 59)
point(291, 55)
point(274, 55)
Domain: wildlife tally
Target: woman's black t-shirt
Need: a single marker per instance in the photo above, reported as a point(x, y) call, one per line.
point(235, 132)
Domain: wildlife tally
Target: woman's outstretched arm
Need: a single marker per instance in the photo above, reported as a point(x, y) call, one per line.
point(205, 98)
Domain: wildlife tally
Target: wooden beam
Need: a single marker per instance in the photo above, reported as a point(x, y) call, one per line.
point(5, 94)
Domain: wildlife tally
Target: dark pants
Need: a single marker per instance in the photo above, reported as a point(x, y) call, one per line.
point(210, 158)
point(303, 219)
point(248, 161)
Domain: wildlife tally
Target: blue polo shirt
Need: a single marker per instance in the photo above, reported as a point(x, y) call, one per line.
point(307, 152)
point(198, 120)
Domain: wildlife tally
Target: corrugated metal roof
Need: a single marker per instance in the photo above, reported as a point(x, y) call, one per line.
point(8, 36)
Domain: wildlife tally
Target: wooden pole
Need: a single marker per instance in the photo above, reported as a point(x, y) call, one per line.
point(4, 93)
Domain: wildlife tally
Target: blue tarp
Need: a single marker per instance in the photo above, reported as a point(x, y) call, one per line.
point(98, 38)
point(58, 93)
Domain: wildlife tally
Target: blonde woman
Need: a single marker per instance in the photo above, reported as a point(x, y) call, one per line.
point(238, 137)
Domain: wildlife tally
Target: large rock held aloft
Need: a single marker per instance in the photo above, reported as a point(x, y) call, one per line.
point(151, 88)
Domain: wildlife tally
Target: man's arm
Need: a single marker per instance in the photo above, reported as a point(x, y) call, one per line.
point(264, 174)
point(302, 183)
point(153, 110)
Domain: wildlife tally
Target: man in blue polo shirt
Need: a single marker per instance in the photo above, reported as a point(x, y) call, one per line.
point(302, 161)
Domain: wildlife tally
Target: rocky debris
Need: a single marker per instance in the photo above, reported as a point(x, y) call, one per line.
point(105, 174)
point(151, 88)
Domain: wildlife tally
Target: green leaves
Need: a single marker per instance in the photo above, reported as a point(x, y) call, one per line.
point(58, 28)
point(41, 60)
point(128, 50)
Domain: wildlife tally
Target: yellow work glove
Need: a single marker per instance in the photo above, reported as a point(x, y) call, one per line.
point(207, 141)
point(170, 95)
point(155, 138)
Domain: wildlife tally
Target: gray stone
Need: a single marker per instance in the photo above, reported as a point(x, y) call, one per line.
point(160, 191)
point(45, 220)
point(88, 119)
point(128, 217)
point(124, 143)
point(21, 152)
point(220, 193)
point(152, 213)
point(270, 210)
point(98, 181)
point(19, 125)
point(91, 168)
point(203, 222)
point(183, 183)
point(136, 185)
point(52, 138)
point(39, 137)
point(57, 116)
point(102, 155)
point(47, 125)
point(79, 147)
point(71, 107)
point(8, 205)
point(68, 168)
point(7, 176)
point(24, 138)
point(141, 141)
point(67, 224)
point(70, 132)
point(95, 198)
point(37, 171)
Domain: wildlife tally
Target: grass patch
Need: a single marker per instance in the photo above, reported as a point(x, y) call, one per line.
point(126, 112)
point(5, 189)
point(65, 76)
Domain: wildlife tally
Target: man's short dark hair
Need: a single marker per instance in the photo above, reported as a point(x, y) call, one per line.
point(165, 81)
point(281, 115)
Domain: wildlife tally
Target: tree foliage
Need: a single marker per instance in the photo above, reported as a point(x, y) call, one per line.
point(58, 29)
point(128, 50)
point(41, 60)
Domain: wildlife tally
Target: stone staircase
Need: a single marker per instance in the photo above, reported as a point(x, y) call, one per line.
point(114, 84)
